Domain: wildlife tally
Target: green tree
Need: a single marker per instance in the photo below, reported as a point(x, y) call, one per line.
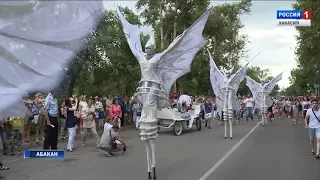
point(107, 65)
point(307, 51)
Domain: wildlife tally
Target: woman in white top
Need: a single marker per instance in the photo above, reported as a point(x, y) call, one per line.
point(306, 104)
point(289, 108)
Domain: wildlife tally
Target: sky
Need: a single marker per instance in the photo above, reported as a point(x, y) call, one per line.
point(275, 44)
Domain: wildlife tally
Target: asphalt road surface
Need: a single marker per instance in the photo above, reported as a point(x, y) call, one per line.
point(279, 151)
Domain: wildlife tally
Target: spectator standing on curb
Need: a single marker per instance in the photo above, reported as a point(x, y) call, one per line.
point(2, 167)
point(51, 113)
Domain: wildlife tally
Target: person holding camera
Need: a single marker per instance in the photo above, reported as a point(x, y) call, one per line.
point(110, 141)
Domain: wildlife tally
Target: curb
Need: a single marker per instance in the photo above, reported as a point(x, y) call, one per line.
point(78, 136)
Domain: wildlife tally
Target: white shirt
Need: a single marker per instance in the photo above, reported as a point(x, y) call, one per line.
point(185, 98)
point(306, 105)
point(107, 126)
point(248, 102)
point(313, 121)
point(84, 108)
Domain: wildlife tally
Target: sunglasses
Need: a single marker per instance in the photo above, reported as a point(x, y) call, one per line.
point(314, 103)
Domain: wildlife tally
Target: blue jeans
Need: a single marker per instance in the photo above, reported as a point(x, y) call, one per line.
point(3, 135)
point(249, 113)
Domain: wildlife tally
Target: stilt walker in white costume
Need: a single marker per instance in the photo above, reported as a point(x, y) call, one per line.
point(225, 87)
point(159, 72)
point(37, 45)
point(260, 94)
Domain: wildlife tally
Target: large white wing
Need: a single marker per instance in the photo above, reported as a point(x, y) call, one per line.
point(132, 34)
point(258, 101)
point(238, 77)
point(176, 60)
point(37, 41)
point(217, 82)
point(254, 87)
point(270, 85)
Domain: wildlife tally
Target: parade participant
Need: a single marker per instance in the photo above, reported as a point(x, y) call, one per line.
point(207, 109)
point(251, 109)
point(159, 72)
point(312, 123)
point(186, 98)
point(225, 87)
point(260, 93)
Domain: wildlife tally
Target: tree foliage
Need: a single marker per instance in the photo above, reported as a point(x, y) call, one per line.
point(107, 65)
point(307, 51)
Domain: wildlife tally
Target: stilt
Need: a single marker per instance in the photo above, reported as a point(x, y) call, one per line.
point(149, 175)
point(230, 116)
point(154, 173)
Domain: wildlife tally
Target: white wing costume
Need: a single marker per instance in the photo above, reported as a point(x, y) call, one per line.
point(37, 41)
point(225, 87)
point(260, 93)
point(159, 72)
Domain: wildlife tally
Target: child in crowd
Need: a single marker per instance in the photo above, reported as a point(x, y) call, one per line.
point(16, 134)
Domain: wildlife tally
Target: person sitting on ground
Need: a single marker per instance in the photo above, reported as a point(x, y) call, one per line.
point(110, 141)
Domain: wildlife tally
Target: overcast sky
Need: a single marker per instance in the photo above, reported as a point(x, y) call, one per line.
point(275, 44)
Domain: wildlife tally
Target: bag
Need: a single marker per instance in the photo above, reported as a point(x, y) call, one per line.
point(34, 109)
point(29, 115)
point(139, 114)
point(113, 142)
point(315, 115)
point(35, 119)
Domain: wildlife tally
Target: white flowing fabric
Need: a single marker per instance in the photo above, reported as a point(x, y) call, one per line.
point(37, 41)
point(257, 89)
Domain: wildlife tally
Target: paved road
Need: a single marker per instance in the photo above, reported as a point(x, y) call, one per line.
point(278, 151)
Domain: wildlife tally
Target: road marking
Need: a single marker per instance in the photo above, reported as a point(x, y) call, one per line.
point(211, 170)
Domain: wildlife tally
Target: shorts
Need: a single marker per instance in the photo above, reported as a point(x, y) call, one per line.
point(62, 122)
point(314, 133)
point(207, 115)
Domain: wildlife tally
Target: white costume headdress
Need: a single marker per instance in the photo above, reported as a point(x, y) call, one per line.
point(151, 42)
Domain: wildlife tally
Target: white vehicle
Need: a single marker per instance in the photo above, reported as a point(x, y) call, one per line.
point(168, 118)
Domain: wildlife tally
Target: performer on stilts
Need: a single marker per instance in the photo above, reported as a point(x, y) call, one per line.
point(159, 72)
point(225, 87)
point(260, 93)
